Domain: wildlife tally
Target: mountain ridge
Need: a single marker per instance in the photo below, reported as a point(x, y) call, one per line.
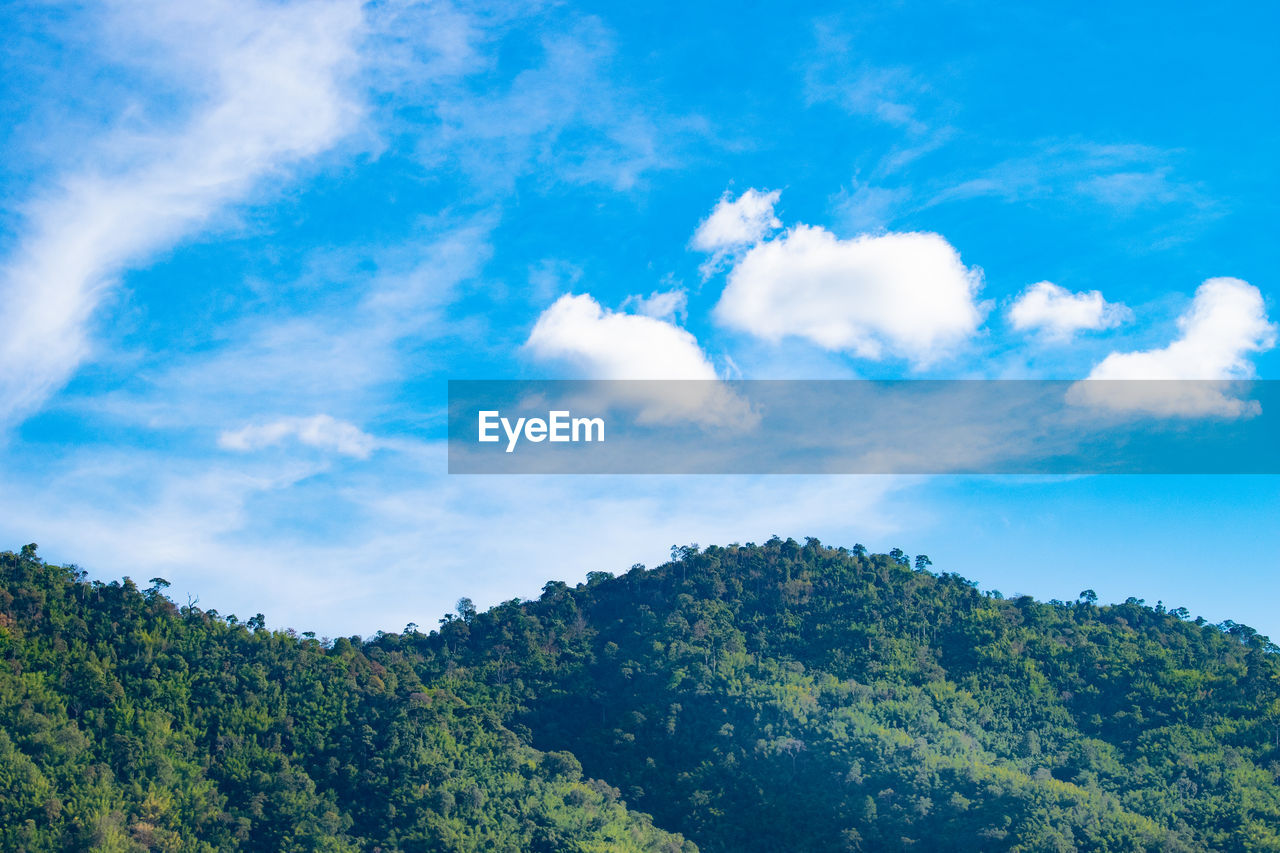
point(745, 696)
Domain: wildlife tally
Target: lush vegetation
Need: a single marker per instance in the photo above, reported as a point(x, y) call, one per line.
point(127, 724)
point(757, 698)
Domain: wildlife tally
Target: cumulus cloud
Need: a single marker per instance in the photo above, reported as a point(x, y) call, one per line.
point(605, 344)
point(602, 344)
point(271, 82)
point(899, 294)
point(735, 224)
point(738, 222)
point(1226, 323)
point(1059, 314)
point(322, 432)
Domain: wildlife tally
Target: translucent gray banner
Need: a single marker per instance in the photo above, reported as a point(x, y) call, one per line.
point(864, 427)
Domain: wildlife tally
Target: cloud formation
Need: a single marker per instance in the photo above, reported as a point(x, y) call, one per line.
point(1122, 178)
point(604, 344)
point(905, 295)
point(1226, 323)
point(567, 114)
point(599, 343)
point(322, 432)
point(271, 81)
point(840, 73)
point(739, 222)
point(380, 546)
point(735, 224)
point(668, 305)
point(1058, 314)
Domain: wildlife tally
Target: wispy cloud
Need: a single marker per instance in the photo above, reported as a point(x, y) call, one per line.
point(374, 545)
point(323, 432)
point(1120, 177)
point(565, 113)
point(863, 207)
point(271, 83)
point(265, 86)
point(669, 306)
point(897, 96)
point(838, 73)
point(344, 351)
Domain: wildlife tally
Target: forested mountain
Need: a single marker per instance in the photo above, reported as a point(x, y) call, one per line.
point(755, 698)
point(129, 724)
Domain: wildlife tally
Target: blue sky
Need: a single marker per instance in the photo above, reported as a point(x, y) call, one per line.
point(243, 246)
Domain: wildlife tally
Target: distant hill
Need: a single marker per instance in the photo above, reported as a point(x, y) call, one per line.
point(779, 697)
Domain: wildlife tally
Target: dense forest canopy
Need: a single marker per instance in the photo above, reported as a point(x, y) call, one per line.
point(782, 696)
point(127, 723)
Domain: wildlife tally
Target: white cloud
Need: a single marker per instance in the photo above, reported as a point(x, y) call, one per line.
point(667, 305)
point(398, 540)
point(271, 80)
point(1121, 178)
point(1059, 314)
point(377, 323)
point(907, 295)
point(863, 207)
point(1226, 323)
point(735, 223)
point(1127, 191)
point(840, 72)
point(566, 116)
point(605, 344)
point(890, 94)
point(322, 432)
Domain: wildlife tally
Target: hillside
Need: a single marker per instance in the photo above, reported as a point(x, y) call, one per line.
point(129, 724)
point(807, 698)
point(755, 698)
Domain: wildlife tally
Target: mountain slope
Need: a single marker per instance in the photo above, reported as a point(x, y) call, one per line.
point(810, 699)
point(756, 698)
point(128, 724)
